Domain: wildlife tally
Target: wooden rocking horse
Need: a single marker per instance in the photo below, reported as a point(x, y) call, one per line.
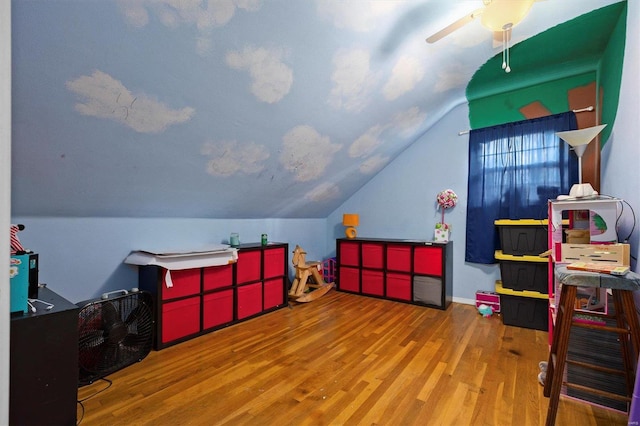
point(300, 289)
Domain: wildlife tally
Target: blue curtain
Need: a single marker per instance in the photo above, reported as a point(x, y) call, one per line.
point(514, 169)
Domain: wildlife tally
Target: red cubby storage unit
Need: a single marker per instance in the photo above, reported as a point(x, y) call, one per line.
point(417, 272)
point(273, 294)
point(399, 258)
point(349, 279)
point(274, 262)
point(217, 308)
point(191, 302)
point(372, 255)
point(427, 260)
point(248, 266)
point(180, 284)
point(373, 282)
point(349, 254)
point(216, 277)
point(399, 286)
point(181, 318)
point(249, 300)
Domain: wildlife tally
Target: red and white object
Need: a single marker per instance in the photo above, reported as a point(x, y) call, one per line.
point(15, 244)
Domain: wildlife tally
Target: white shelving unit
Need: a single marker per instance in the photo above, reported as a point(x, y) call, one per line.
point(600, 210)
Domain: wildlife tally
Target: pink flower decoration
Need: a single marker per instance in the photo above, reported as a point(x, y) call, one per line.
point(447, 199)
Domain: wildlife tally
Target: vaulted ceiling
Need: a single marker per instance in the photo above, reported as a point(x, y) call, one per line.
point(240, 108)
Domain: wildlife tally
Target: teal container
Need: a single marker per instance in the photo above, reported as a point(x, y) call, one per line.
point(19, 277)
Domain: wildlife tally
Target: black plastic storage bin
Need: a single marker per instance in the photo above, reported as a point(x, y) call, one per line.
point(524, 237)
point(525, 309)
point(524, 272)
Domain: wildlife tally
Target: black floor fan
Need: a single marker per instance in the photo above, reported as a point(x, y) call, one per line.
point(113, 332)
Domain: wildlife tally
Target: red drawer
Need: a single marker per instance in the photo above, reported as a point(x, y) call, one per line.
point(217, 276)
point(180, 318)
point(185, 283)
point(273, 293)
point(399, 258)
point(248, 266)
point(249, 300)
point(274, 262)
point(218, 308)
point(349, 254)
point(373, 282)
point(349, 279)
point(427, 260)
point(399, 286)
point(372, 256)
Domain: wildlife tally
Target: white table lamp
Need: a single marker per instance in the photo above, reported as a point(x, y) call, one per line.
point(579, 139)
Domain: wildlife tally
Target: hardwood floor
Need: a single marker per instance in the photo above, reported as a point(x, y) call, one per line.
point(342, 359)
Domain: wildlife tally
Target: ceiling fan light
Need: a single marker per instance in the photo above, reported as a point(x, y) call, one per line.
point(499, 13)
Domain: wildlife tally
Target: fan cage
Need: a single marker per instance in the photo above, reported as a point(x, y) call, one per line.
point(112, 334)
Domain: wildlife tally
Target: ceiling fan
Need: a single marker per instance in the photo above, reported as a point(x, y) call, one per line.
point(499, 16)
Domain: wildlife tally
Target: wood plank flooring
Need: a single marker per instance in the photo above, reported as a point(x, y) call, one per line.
point(342, 360)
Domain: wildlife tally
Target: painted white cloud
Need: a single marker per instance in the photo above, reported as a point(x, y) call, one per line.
point(353, 80)
point(356, 15)
point(203, 14)
point(227, 158)
point(367, 142)
point(407, 122)
point(323, 192)
point(106, 97)
point(405, 75)
point(306, 153)
point(271, 78)
point(373, 164)
point(471, 37)
point(453, 77)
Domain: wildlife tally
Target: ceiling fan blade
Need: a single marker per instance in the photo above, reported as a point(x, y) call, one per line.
point(454, 26)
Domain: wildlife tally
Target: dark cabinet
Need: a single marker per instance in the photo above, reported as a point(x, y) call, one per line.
point(43, 372)
point(191, 302)
point(407, 271)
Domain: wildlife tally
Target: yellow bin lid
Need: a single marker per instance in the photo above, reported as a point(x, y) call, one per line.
point(523, 293)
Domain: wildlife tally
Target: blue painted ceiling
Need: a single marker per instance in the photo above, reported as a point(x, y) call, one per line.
point(231, 108)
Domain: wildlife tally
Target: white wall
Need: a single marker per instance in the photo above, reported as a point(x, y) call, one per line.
point(621, 154)
point(400, 202)
point(80, 258)
point(5, 201)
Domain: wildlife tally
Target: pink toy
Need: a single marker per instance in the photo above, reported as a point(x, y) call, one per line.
point(485, 311)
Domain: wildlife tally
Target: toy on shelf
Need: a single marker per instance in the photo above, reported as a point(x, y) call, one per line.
point(15, 245)
point(301, 288)
point(329, 269)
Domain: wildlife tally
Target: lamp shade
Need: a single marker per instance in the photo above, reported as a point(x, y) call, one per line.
point(579, 139)
point(350, 219)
